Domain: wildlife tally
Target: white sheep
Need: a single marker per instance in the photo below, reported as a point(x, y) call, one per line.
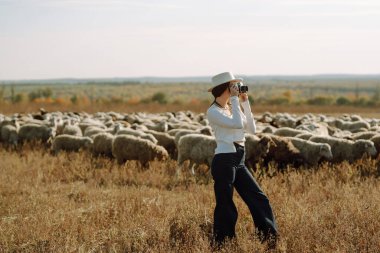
point(9, 135)
point(33, 132)
point(92, 131)
point(288, 132)
point(165, 140)
point(184, 125)
point(376, 141)
point(349, 125)
point(103, 144)
point(72, 130)
point(284, 120)
point(197, 148)
point(204, 130)
point(346, 149)
point(159, 127)
point(363, 135)
point(137, 133)
point(128, 147)
point(312, 152)
point(304, 136)
point(70, 143)
point(316, 128)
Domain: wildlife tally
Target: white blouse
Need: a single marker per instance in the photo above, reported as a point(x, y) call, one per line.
point(230, 128)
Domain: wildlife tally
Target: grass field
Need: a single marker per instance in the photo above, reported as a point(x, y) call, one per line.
point(75, 203)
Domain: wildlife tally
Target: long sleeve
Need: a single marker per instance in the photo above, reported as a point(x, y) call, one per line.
point(251, 125)
point(220, 119)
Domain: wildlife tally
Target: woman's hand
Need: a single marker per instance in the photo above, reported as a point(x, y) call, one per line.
point(234, 90)
point(243, 96)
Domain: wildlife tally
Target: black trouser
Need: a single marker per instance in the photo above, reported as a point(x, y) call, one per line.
point(228, 170)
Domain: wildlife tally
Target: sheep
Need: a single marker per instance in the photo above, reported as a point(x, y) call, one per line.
point(312, 152)
point(346, 150)
point(197, 148)
point(205, 131)
point(33, 132)
point(85, 124)
point(128, 147)
point(182, 133)
point(256, 148)
point(138, 127)
point(9, 135)
point(266, 117)
point(305, 136)
point(92, 131)
point(173, 132)
point(165, 140)
point(138, 133)
point(204, 122)
point(350, 126)
point(159, 127)
point(281, 150)
point(284, 120)
point(269, 129)
point(11, 122)
point(103, 144)
point(376, 141)
point(114, 128)
point(70, 143)
point(315, 128)
point(363, 135)
point(287, 131)
point(72, 130)
point(183, 125)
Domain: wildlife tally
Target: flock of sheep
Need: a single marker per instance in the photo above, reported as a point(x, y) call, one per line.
point(284, 138)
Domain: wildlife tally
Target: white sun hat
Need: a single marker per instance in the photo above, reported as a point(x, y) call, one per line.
point(223, 78)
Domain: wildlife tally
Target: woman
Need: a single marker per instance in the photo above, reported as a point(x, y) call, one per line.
point(228, 169)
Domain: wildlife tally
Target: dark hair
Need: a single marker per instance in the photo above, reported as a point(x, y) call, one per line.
point(218, 90)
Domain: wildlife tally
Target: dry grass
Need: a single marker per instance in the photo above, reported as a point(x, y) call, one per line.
point(76, 203)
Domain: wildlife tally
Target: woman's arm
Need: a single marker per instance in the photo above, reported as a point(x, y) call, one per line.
point(251, 125)
point(220, 119)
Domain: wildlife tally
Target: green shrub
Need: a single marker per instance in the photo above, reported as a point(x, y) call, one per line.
point(342, 101)
point(320, 100)
point(278, 101)
point(159, 97)
point(74, 99)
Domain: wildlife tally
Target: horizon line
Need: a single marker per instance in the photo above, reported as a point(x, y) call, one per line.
point(193, 76)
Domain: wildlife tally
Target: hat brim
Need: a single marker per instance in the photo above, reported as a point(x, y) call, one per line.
point(236, 80)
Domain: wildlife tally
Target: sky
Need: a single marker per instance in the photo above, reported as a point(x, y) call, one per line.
point(42, 39)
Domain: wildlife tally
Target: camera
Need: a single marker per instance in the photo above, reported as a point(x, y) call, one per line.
point(242, 88)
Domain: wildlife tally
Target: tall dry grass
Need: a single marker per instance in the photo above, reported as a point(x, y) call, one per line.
point(73, 202)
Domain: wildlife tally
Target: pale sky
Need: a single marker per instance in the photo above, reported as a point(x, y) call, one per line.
point(133, 38)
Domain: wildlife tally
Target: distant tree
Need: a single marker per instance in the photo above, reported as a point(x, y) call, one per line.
point(33, 95)
point(46, 93)
point(278, 101)
point(74, 99)
point(320, 100)
point(19, 97)
point(160, 97)
point(342, 101)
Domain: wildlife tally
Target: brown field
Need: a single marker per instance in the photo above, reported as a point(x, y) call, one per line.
point(75, 203)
